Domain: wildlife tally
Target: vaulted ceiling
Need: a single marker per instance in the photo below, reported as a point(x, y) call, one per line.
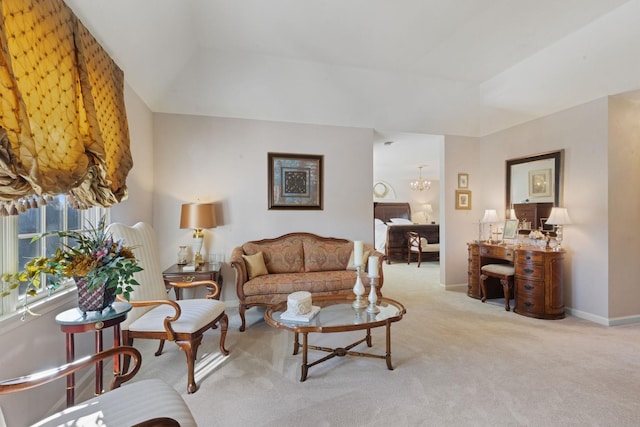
point(463, 67)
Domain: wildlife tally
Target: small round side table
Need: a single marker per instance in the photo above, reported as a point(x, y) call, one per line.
point(74, 321)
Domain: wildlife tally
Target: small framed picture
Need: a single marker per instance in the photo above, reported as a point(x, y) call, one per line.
point(510, 229)
point(463, 199)
point(540, 183)
point(463, 180)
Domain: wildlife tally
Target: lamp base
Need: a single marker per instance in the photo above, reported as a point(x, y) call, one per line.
point(198, 259)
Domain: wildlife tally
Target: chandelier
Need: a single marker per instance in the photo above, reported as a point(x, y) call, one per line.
point(420, 184)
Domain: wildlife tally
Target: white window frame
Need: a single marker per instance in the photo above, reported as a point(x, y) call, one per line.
point(9, 258)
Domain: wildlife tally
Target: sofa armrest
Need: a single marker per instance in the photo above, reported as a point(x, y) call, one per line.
point(237, 263)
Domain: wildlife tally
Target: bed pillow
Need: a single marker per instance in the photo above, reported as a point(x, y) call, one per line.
point(400, 221)
point(378, 221)
point(255, 265)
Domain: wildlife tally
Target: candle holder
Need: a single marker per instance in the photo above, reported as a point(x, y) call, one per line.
point(358, 290)
point(373, 297)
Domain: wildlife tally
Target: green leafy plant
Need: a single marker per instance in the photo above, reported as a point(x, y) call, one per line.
point(95, 256)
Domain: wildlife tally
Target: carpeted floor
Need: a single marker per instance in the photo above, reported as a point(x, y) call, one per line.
point(457, 362)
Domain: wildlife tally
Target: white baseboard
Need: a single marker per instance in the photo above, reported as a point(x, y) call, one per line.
point(455, 286)
point(615, 321)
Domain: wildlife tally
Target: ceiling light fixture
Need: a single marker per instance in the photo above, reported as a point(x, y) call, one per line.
point(420, 184)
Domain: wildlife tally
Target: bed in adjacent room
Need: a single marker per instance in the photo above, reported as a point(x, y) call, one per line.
point(392, 222)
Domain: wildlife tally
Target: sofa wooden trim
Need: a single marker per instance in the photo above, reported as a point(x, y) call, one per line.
point(239, 266)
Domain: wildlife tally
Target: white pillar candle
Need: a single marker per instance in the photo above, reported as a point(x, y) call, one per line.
point(357, 252)
point(373, 266)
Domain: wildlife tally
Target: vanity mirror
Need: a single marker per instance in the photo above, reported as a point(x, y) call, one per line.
point(535, 179)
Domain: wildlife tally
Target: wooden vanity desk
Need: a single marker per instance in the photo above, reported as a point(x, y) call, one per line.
point(538, 285)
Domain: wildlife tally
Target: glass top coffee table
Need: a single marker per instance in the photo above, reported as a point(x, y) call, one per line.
point(338, 315)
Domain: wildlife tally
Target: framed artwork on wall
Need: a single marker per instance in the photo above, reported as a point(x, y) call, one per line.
point(463, 199)
point(540, 183)
point(463, 180)
point(295, 181)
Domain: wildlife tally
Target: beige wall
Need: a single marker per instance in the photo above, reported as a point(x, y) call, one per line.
point(582, 132)
point(138, 205)
point(460, 155)
point(224, 161)
point(624, 207)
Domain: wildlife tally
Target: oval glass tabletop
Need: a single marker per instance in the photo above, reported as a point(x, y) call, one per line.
point(337, 314)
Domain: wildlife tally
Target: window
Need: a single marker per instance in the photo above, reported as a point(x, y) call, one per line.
point(56, 215)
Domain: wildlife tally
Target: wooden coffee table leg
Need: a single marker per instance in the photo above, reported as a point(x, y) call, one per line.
point(304, 368)
point(369, 337)
point(296, 343)
point(388, 357)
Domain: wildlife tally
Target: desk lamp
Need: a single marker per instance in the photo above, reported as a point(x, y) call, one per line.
point(197, 216)
point(559, 217)
point(490, 217)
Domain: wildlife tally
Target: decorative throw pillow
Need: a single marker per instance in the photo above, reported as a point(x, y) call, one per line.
point(255, 265)
point(365, 258)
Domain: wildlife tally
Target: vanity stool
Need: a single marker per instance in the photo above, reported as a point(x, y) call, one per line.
point(503, 272)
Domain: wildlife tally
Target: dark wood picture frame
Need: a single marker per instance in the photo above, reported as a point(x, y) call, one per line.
point(295, 181)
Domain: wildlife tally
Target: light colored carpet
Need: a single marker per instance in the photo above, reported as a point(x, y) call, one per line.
point(458, 362)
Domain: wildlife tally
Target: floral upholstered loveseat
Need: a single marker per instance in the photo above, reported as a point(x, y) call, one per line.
point(268, 270)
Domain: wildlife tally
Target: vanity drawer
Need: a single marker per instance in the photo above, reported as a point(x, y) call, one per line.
point(498, 252)
point(530, 256)
point(528, 303)
point(530, 271)
point(530, 288)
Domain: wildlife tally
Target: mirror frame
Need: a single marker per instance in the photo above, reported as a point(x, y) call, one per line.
point(557, 156)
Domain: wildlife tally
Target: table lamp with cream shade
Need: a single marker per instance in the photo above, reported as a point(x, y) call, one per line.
point(198, 216)
point(428, 210)
point(558, 217)
point(490, 217)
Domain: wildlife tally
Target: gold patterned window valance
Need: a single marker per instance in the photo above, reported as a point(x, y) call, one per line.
point(63, 124)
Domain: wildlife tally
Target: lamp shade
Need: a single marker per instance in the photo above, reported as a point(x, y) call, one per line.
point(559, 216)
point(490, 216)
point(197, 216)
point(428, 208)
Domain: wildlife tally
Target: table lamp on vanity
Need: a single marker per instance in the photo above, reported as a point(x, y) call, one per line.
point(198, 216)
point(559, 217)
point(490, 217)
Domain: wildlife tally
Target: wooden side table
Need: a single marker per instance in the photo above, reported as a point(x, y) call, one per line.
point(73, 321)
point(175, 273)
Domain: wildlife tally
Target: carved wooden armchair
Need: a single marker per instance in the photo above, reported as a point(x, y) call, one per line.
point(416, 244)
point(144, 403)
point(155, 316)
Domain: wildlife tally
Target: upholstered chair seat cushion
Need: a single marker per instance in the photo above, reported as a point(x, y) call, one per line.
point(502, 269)
point(196, 313)
point(137, 402)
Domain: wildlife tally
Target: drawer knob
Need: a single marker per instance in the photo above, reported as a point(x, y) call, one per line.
point(528, 270)
point(528, 287)
point(528, 304)
point(528, 257)
point(189, 279)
